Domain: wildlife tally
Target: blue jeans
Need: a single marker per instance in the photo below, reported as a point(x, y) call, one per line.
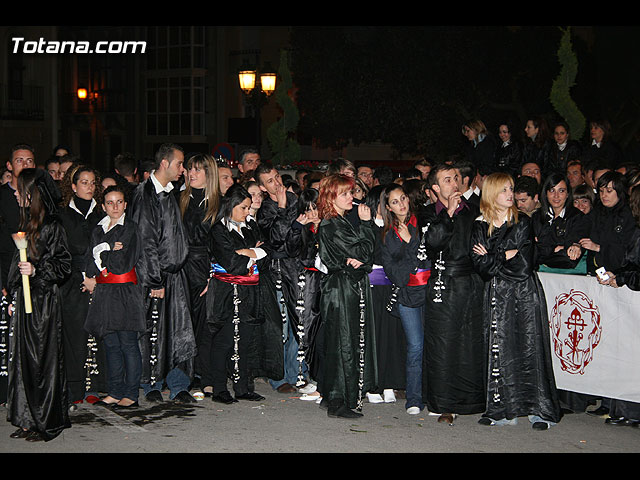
point(291, 364)
point(413, 326)
point(124, 365)
point(177, 381)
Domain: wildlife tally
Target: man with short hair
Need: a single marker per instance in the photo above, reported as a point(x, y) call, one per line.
point(575, 175)
point(225, 177)
point(526, 194)
point(365, 173)
point(168, 346)
point(467, 172)
point(532, 169)
point(275, 217)
point(383, 176)
point(425, 166)
point(249, 160)
point(22, 156)
point(126, 165)
point(53, 167)
point(454, 351)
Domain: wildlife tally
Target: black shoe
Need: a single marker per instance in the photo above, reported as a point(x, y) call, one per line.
point(102, 403)
point(621, 421)
point(20, 433)
point(599, 412)
point(34, 437)
point(251, 396)
point(223, 397)
point(342, 412)
point(540, 426)
point(154, 396)
point(324, 404)
point(184, 397)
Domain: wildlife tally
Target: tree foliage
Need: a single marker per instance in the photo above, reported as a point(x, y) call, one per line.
point(413, 87)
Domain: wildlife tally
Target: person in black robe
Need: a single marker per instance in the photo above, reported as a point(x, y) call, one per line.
point(564, 151)
point(538, 146)
point(302, 243)
point(37, 400)
point(235, 243)
point(558, 227)
point(407, 266)
point(116, 313)
point(516, 326)
point(482, 145)
point(622, 412)
point(508, 155)
point(199, 204)
point(612, 224)
point(22, 156)
point(280, 276)
point(350, 368)
point(454, 375)
point(80, 213)
point(168, 346)
point(602, 149)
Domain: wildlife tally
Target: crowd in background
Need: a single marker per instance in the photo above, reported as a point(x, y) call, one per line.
point(344, 285)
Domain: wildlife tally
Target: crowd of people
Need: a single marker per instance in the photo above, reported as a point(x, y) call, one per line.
point(345, 285)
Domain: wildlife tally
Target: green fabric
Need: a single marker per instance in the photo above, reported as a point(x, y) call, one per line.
point(580, 269)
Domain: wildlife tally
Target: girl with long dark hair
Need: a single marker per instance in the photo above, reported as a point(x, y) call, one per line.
point(409, 271)
point(235, 246)
point(37, 392)
point(558, 227)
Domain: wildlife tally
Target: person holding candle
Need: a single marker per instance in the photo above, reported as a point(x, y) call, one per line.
point(37, 390)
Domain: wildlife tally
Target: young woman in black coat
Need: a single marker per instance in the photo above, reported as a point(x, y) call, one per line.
point(508, 155)
point(564, 150)
point(235, 246)
point(612, 224)
point(558, 227)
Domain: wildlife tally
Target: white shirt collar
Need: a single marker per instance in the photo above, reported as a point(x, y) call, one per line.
point(507, 143)
point(552, 215)
point(72, 205)
point(562, 146)
point(597, 144)
point(158, 186)
point(104, 223)
point(468, 193)
point(234, 226)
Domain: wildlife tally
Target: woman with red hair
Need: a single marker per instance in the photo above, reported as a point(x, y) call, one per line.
point(350, 368)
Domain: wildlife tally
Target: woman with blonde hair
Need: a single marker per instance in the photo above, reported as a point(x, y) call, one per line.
point(199, 205)
point(350, 368)
point(519, 370)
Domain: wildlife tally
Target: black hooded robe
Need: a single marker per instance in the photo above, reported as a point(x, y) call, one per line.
point(37, 397)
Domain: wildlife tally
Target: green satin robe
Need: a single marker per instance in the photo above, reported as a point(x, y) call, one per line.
point(341, 311)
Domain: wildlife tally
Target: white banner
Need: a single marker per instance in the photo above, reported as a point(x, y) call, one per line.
point(595, 336)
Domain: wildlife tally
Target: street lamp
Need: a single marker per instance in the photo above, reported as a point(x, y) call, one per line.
point(247, 79)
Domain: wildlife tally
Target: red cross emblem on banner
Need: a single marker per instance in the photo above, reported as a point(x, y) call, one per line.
point(575, 330)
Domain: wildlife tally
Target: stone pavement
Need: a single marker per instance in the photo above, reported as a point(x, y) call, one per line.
point(282, 423)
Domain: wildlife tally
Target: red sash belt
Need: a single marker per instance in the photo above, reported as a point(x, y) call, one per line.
point(106, 277)
point(419, 278)
point(311, 269)
point(237, 279)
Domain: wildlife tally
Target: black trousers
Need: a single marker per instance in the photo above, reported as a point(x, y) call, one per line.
point(222, 365)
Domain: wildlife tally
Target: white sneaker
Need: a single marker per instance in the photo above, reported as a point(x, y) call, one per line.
point(375, 398)
point(413, 410)
point(389, 396)
point(309, 397)
point(308, 388)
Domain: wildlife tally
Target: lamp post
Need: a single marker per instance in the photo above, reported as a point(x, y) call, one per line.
point(256, 96)
point(85, 95)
